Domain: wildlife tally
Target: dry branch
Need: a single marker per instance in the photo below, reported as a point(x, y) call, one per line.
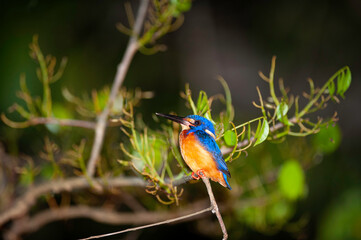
point(103, 215)
point(122, 69)
point(23, 204)
point(214, 207)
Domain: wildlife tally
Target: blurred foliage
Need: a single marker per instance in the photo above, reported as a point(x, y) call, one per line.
point(266, 187)
point(343, 217)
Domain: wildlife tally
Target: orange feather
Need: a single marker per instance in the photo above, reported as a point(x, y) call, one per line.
point(198, 158)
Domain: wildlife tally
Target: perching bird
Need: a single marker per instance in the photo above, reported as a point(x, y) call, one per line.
point(199, 148)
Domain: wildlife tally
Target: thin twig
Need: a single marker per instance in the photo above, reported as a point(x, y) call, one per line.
point(151, 225)
point(215, 208)
point(23, 204)
point(122, 69)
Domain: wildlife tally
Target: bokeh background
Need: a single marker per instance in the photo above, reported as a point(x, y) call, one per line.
point(234, 39)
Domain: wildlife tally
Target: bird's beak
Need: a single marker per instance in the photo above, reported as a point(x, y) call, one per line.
point(181, 120)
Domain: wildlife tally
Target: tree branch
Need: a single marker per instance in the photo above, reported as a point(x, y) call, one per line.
point(151, 225)
point(62, 122)
point(23, 204)
point(122, 69)
point(31, 224)
point(214, 207)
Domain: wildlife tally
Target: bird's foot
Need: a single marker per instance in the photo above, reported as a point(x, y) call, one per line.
point(199, 174)
point(195, 176)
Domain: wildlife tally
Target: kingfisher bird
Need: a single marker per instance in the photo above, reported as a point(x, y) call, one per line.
point(199, 149)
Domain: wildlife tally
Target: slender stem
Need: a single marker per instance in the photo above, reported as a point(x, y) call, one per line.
point(271, 81)
point(241, 125)
point(150, 225)
point(215, 208)
point(226, 150)
point(131, 49)
point(314, 100)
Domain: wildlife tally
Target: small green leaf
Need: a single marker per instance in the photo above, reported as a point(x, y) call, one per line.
point(281, 113)
point(230, 109)
point(262, 133)
point(230, 138)
point(340, 82)
point(202, 103)
point(249, 132)
point(328, 139)
point(347, 82)
point(181, 6)
point(343, 81)
point(331, 88)
point(291, 180)
point(281, 110)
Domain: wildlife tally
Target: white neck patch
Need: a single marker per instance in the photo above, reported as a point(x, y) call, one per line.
point(210, 133)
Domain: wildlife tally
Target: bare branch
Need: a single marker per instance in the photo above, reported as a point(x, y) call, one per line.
point(214, 207)
point(189, 216)
point(131, 49)
point(22, 205)
point(107, 216)
point(62, 122)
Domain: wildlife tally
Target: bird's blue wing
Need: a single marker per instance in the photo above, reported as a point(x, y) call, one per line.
point(210, 145)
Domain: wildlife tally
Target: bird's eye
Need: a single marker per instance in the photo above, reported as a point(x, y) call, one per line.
point(197, 123)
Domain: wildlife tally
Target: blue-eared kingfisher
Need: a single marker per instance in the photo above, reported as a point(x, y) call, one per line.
point(199, 149)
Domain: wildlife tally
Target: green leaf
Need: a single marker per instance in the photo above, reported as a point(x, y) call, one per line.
point(281, 113)
point(291, 180)
point(331, 88)
point(202, 103)
point(347, 81)
point(340, 82)
point(230, 138)
point(281, 110)
point(262, 133)
point(249, 132)
point(328, 139)
point(343, 82)
point(230, 109)
point(181, 6)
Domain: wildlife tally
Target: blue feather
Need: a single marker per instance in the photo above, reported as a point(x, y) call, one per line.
point(226, 180)
point(211, 146)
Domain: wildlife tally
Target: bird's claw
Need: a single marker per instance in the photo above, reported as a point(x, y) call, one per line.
point(199, 174)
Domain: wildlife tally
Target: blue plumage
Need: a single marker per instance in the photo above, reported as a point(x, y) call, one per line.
point(199, 148)
point(209, 143)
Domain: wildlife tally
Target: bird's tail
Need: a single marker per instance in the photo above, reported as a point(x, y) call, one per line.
point(226, 181)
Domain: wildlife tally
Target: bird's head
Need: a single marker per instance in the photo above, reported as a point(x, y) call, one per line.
point(193, 122)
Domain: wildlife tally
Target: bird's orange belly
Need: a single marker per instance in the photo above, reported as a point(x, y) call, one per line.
point(198, 158)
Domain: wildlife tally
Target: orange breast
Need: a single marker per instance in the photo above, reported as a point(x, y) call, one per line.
point(198, 158)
